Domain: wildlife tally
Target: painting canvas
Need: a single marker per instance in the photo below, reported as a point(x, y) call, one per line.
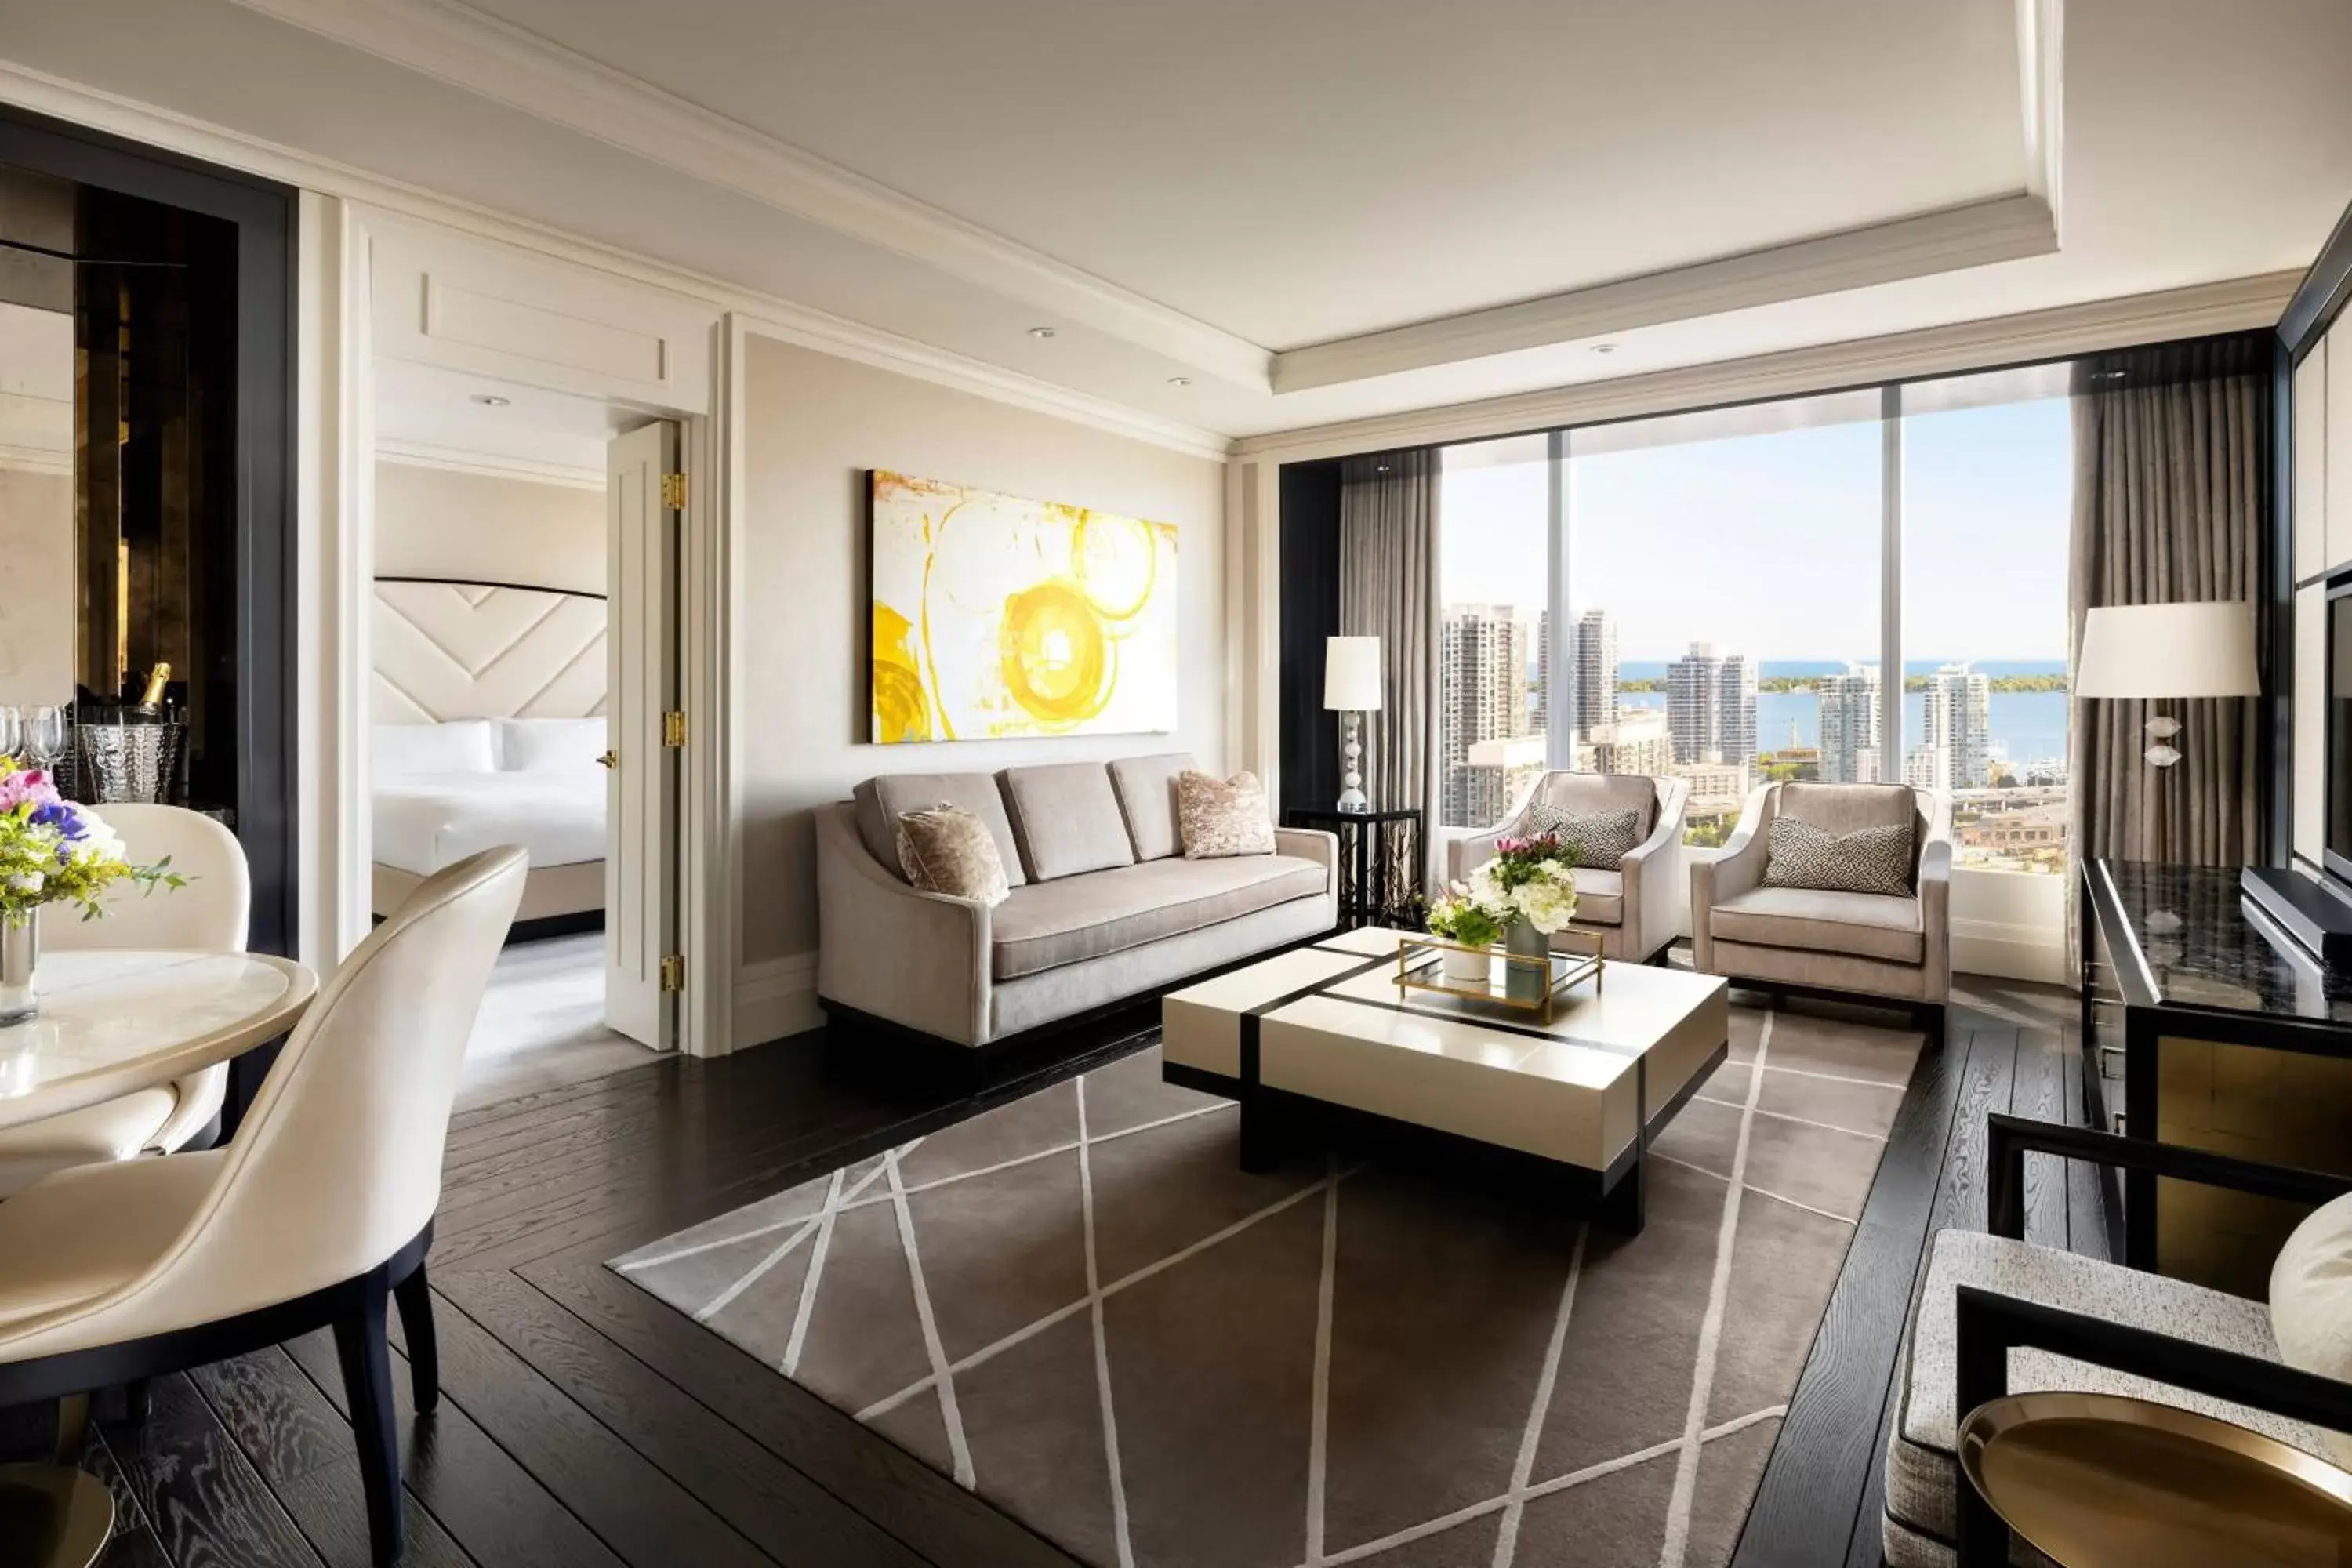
point(998, 616)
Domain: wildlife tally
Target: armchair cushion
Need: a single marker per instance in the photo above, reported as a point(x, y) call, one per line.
point(1813, 919)
point(1588, 794)
point(1067, 819)
point(1921, 1475)
point(1601, 840)
point(881, 802)
point(1070, 920)
point(2311, 1301)
point(1600, 898)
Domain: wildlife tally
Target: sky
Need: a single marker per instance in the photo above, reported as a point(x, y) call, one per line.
point(1768, 544)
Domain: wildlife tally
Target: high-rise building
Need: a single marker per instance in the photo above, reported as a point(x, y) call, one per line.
point(1496, 773)
point(1711, 707)
point(1482, 696)
point(1540, 656)
point(1849, 709)
point(1594, 681)
point(1928, 766)
point(1636, 742)
point(1956, 718)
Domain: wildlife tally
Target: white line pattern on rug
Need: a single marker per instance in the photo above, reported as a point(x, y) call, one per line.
point(810, 1226)
point(812, 1280)
point(1760, 1192)
point(1318, 1430)
point(1784, 1116)
point(948, 1411)
point(1710, 1329)
point(1102, 1349)
point(1523, 1468)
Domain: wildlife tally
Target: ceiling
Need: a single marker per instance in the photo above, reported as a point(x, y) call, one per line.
point(440, 417)
point(1323, 209)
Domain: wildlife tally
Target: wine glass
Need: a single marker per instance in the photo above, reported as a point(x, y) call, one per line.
point(12, 730)
point(45, 735)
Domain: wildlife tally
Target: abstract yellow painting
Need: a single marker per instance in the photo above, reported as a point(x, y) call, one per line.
point(994, 616)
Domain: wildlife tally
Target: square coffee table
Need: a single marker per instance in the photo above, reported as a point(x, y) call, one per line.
point(1322, 1038)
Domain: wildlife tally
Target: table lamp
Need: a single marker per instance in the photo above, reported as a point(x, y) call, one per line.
point(2159, 651)
point(1351, 685)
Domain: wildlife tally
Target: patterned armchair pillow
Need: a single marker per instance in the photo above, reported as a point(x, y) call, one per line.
point(1867, 860)
point(1601, 841)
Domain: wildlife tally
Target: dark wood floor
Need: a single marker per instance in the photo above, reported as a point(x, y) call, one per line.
point(583, 1424)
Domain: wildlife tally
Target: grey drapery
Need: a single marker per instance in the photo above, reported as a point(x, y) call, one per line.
point(1388, 589)
point(2171, 490)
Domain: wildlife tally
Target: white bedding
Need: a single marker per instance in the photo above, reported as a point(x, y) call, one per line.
point(426, 821)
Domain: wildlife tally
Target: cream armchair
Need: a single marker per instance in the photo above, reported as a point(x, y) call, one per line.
point(1801, 939)
point(1635, 911)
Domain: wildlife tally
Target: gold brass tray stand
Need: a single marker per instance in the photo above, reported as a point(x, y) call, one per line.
point(2098, 1480)
point(1420, 967)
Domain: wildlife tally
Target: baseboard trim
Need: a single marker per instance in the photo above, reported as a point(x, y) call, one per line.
point(2010, 951)
point(776, 997)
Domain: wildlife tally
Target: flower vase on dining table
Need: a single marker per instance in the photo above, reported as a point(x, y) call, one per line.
point(20, 958)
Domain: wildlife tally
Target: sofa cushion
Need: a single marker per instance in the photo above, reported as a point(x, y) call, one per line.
point(2311, 1299)
point(1065, 817)
point(1600, 898)
point(1048, 924)
point(1589, 793)
point(1866, 925)
point(944, 850)
point(1147, 793)
point(1920, 1472)
point(1217, 817)
point(880, 801)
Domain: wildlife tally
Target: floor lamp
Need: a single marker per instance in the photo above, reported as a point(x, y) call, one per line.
point(1351, 685)
point(2161, 652)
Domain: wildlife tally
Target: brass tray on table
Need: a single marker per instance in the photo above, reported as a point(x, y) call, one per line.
point(1521, 982)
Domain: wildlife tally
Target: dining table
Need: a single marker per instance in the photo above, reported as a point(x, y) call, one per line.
point(112, 1022)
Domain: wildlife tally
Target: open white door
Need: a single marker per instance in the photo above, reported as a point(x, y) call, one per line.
point(644, 492)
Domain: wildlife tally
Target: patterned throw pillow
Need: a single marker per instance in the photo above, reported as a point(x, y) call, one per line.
point(1601, 842)
point(1219, 817)
point(1867, 860)
point(947, 849)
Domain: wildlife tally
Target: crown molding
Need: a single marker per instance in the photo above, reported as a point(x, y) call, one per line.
point(2194, 311)
point(70, 101)
point(466, 48)
point(2000, 230)
point(36, 459)
point(486, 465)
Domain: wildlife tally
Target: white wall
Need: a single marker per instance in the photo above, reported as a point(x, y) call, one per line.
point(812, 425)
point(440, 522)
point(37, 586)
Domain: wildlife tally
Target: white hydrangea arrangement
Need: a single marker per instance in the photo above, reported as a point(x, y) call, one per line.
point(1534, 879)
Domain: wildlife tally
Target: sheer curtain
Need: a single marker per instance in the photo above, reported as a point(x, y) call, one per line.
point(1388, 589)
point(2171, 492)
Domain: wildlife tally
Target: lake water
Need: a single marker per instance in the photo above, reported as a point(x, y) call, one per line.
point(2027, 726)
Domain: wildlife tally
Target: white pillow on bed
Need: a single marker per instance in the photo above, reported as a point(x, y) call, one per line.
point(539, 745)
point(454, 746)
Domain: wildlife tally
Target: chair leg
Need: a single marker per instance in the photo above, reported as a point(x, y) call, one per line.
point(73, 1427)
point(366, 1357)
point(415, 1298)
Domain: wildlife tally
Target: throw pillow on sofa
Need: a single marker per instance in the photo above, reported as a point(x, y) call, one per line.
point(1221, 817)
point(947, 849)
point(1867, 860)
point(1599, 842)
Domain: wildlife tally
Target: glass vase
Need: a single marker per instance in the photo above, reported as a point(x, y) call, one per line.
point(1526, 982)
point(20, 956)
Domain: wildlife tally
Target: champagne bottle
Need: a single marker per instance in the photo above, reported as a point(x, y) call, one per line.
point(151, 703)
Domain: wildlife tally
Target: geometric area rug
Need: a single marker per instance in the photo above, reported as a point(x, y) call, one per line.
point(1079, 1306)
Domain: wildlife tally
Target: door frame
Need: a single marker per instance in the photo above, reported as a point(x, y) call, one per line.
point(338, 404)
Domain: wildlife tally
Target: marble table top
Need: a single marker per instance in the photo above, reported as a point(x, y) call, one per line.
point(112, 1022)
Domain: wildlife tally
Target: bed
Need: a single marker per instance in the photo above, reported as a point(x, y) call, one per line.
point(489, 708)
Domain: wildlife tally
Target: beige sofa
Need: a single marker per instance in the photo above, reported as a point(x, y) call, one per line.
point(1635, 911)
point(1873, 944)
point(1104, 907)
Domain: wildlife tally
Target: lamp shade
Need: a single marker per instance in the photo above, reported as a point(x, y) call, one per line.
point(1351, 674)
point(2203, 649)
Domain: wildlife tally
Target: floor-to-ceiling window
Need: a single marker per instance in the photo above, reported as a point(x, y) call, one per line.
point(1492, 702)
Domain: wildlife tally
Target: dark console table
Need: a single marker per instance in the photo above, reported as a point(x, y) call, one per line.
point(1380, 863)
point(2204, 1024)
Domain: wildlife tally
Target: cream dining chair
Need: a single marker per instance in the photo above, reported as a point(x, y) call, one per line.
point(208, 914)
point(318, 1214)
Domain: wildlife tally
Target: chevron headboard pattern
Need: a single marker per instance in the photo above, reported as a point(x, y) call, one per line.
point(450, 649)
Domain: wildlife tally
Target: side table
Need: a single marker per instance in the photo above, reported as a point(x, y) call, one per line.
point(1380, 863)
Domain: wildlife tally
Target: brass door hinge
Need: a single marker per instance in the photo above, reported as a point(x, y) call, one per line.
point(673, 728)
point(673, 491)
point(673, 972)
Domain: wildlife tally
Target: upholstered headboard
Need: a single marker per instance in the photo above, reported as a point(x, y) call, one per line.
point(446, 648)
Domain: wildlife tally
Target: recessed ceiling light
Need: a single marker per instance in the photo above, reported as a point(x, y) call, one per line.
point(491, 400)
point(1179, 381)
point(1041, 334)
point(1605, 348)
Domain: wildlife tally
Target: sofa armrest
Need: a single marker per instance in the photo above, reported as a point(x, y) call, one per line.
point(1651, 874)
point(918, 959)
point(1312, 844)
point(1466, 854)
point(1739, 867)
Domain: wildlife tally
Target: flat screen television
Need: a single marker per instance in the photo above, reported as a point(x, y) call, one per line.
point(2339, 734)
